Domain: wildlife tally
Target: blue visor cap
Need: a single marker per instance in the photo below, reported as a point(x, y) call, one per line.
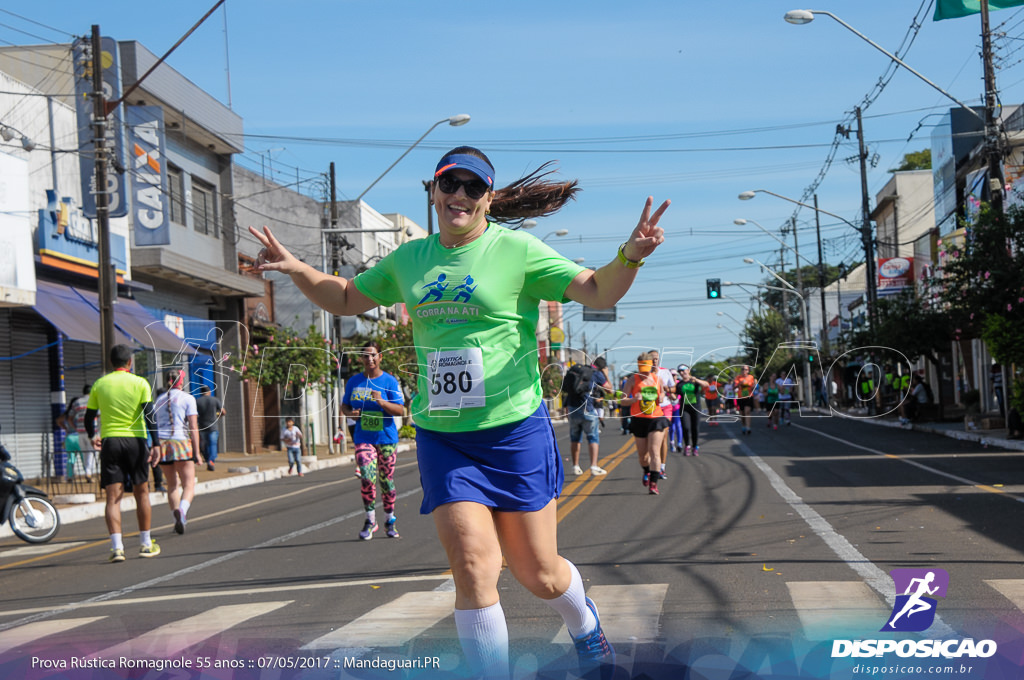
point(463, 161)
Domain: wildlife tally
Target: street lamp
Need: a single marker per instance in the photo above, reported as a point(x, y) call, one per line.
point(579, 260)
point(787, 284)
point(741, 222)
point(557, 232)
point(803, 307)
point(799, 17)
point(869, 251)
point(730, 316)
point(989, 120)
point(454, 121)
point(526, 224)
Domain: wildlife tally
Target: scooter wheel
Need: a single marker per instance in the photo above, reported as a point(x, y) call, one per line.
point(34, 519)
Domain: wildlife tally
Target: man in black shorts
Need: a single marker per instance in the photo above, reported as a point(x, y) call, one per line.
point(124, 402)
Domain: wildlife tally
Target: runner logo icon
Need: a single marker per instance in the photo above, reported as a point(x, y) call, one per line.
point(914, 610)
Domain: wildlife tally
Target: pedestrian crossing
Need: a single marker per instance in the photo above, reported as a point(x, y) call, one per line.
point(631, 614)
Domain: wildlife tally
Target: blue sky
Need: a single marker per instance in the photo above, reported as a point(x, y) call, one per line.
point(690, 101)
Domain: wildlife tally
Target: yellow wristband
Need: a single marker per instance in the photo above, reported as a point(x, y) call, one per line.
point(626, 262)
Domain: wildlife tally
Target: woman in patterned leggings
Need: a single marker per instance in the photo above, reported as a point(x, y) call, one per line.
point(373, 398)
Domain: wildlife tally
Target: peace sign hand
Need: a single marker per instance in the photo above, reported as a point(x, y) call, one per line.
point(274, 257)
point(648, 235)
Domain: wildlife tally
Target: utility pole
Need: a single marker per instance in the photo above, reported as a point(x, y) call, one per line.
point(335, 326)
point(821, 278)
point(866, 237)
point(992, 140)
point(428, 186)
point(104, 268)
point(799, 274)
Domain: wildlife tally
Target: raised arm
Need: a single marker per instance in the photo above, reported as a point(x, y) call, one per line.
point(335, 294)
point(603, 288)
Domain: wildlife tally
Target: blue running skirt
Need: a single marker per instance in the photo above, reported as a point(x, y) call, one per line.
point(513, 468)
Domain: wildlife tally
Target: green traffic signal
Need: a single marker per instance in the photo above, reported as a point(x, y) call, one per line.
point(714, 288)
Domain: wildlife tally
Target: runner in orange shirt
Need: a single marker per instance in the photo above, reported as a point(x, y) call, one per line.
point(744, 386)
point(647, 421)
point(711, 396)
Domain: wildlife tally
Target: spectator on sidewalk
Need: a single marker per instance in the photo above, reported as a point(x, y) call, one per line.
point(584, 419)
point(210, 410)
point(920, 395)
point(74, 424)
point(291, 437)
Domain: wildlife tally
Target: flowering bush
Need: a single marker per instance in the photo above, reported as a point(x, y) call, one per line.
point(293, 362)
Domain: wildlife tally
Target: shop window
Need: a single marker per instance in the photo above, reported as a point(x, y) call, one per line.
point(204, 209)
point(176, 187)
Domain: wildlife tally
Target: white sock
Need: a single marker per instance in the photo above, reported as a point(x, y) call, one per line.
point(483, 634)
point(115, 542)
point(372, 516)
point(144, 538)
point(183, 507)
point(572, 605)
point(390, 516)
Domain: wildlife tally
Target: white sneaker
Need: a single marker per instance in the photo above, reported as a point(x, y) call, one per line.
point(596, 471)
point(577, 470)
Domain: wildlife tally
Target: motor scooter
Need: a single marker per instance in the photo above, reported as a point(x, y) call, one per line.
point(28, 510)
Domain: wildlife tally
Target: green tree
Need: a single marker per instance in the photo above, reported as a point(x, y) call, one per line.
point(398, 352)
point(792, 306)
point(913, 327)
point(764, 335)
point(295, 363)
point(916, 160)
point(981, 281)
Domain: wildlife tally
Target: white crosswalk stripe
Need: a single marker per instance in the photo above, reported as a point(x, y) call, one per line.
point(1010, 588)
point(30, 632)
point(831, 609)
point(168, 641)
point(392, 624)
point(44, 549)
point(628, 613)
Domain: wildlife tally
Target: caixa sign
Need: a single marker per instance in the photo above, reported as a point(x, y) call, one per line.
point(146, 159)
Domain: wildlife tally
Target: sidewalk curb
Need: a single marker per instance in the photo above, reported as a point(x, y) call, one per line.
point(979, 437)
point(80, 513)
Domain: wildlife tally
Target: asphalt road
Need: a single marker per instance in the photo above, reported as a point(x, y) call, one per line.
point(783, 539)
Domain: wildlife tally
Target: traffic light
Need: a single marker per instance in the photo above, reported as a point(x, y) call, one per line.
point(714, 289)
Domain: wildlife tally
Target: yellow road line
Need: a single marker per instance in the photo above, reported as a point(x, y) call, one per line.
point(581, 488)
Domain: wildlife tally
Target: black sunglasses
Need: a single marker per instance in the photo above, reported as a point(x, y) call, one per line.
point(475, 188)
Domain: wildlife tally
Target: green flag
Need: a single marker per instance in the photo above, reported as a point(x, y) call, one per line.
point(954, 9)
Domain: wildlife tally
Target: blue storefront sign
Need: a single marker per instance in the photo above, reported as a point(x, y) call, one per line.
point(66, 234)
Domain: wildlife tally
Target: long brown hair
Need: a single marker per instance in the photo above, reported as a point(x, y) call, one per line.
point(528, 197)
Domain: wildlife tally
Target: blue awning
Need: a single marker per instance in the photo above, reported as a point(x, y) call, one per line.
point(75, 313)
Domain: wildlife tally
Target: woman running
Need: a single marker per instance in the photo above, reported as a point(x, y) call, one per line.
point(374, 398)
point(688, 389)
point(177, 422)
point(647, 421)
point(489, 464)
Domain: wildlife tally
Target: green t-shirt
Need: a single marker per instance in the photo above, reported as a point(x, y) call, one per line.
point(119, 396)
point(474, 312)
point(688, 391)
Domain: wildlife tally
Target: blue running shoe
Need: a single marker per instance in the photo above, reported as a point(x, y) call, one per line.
point(593, 649)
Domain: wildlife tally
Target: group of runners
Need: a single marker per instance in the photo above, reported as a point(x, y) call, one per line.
point(661, 408)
